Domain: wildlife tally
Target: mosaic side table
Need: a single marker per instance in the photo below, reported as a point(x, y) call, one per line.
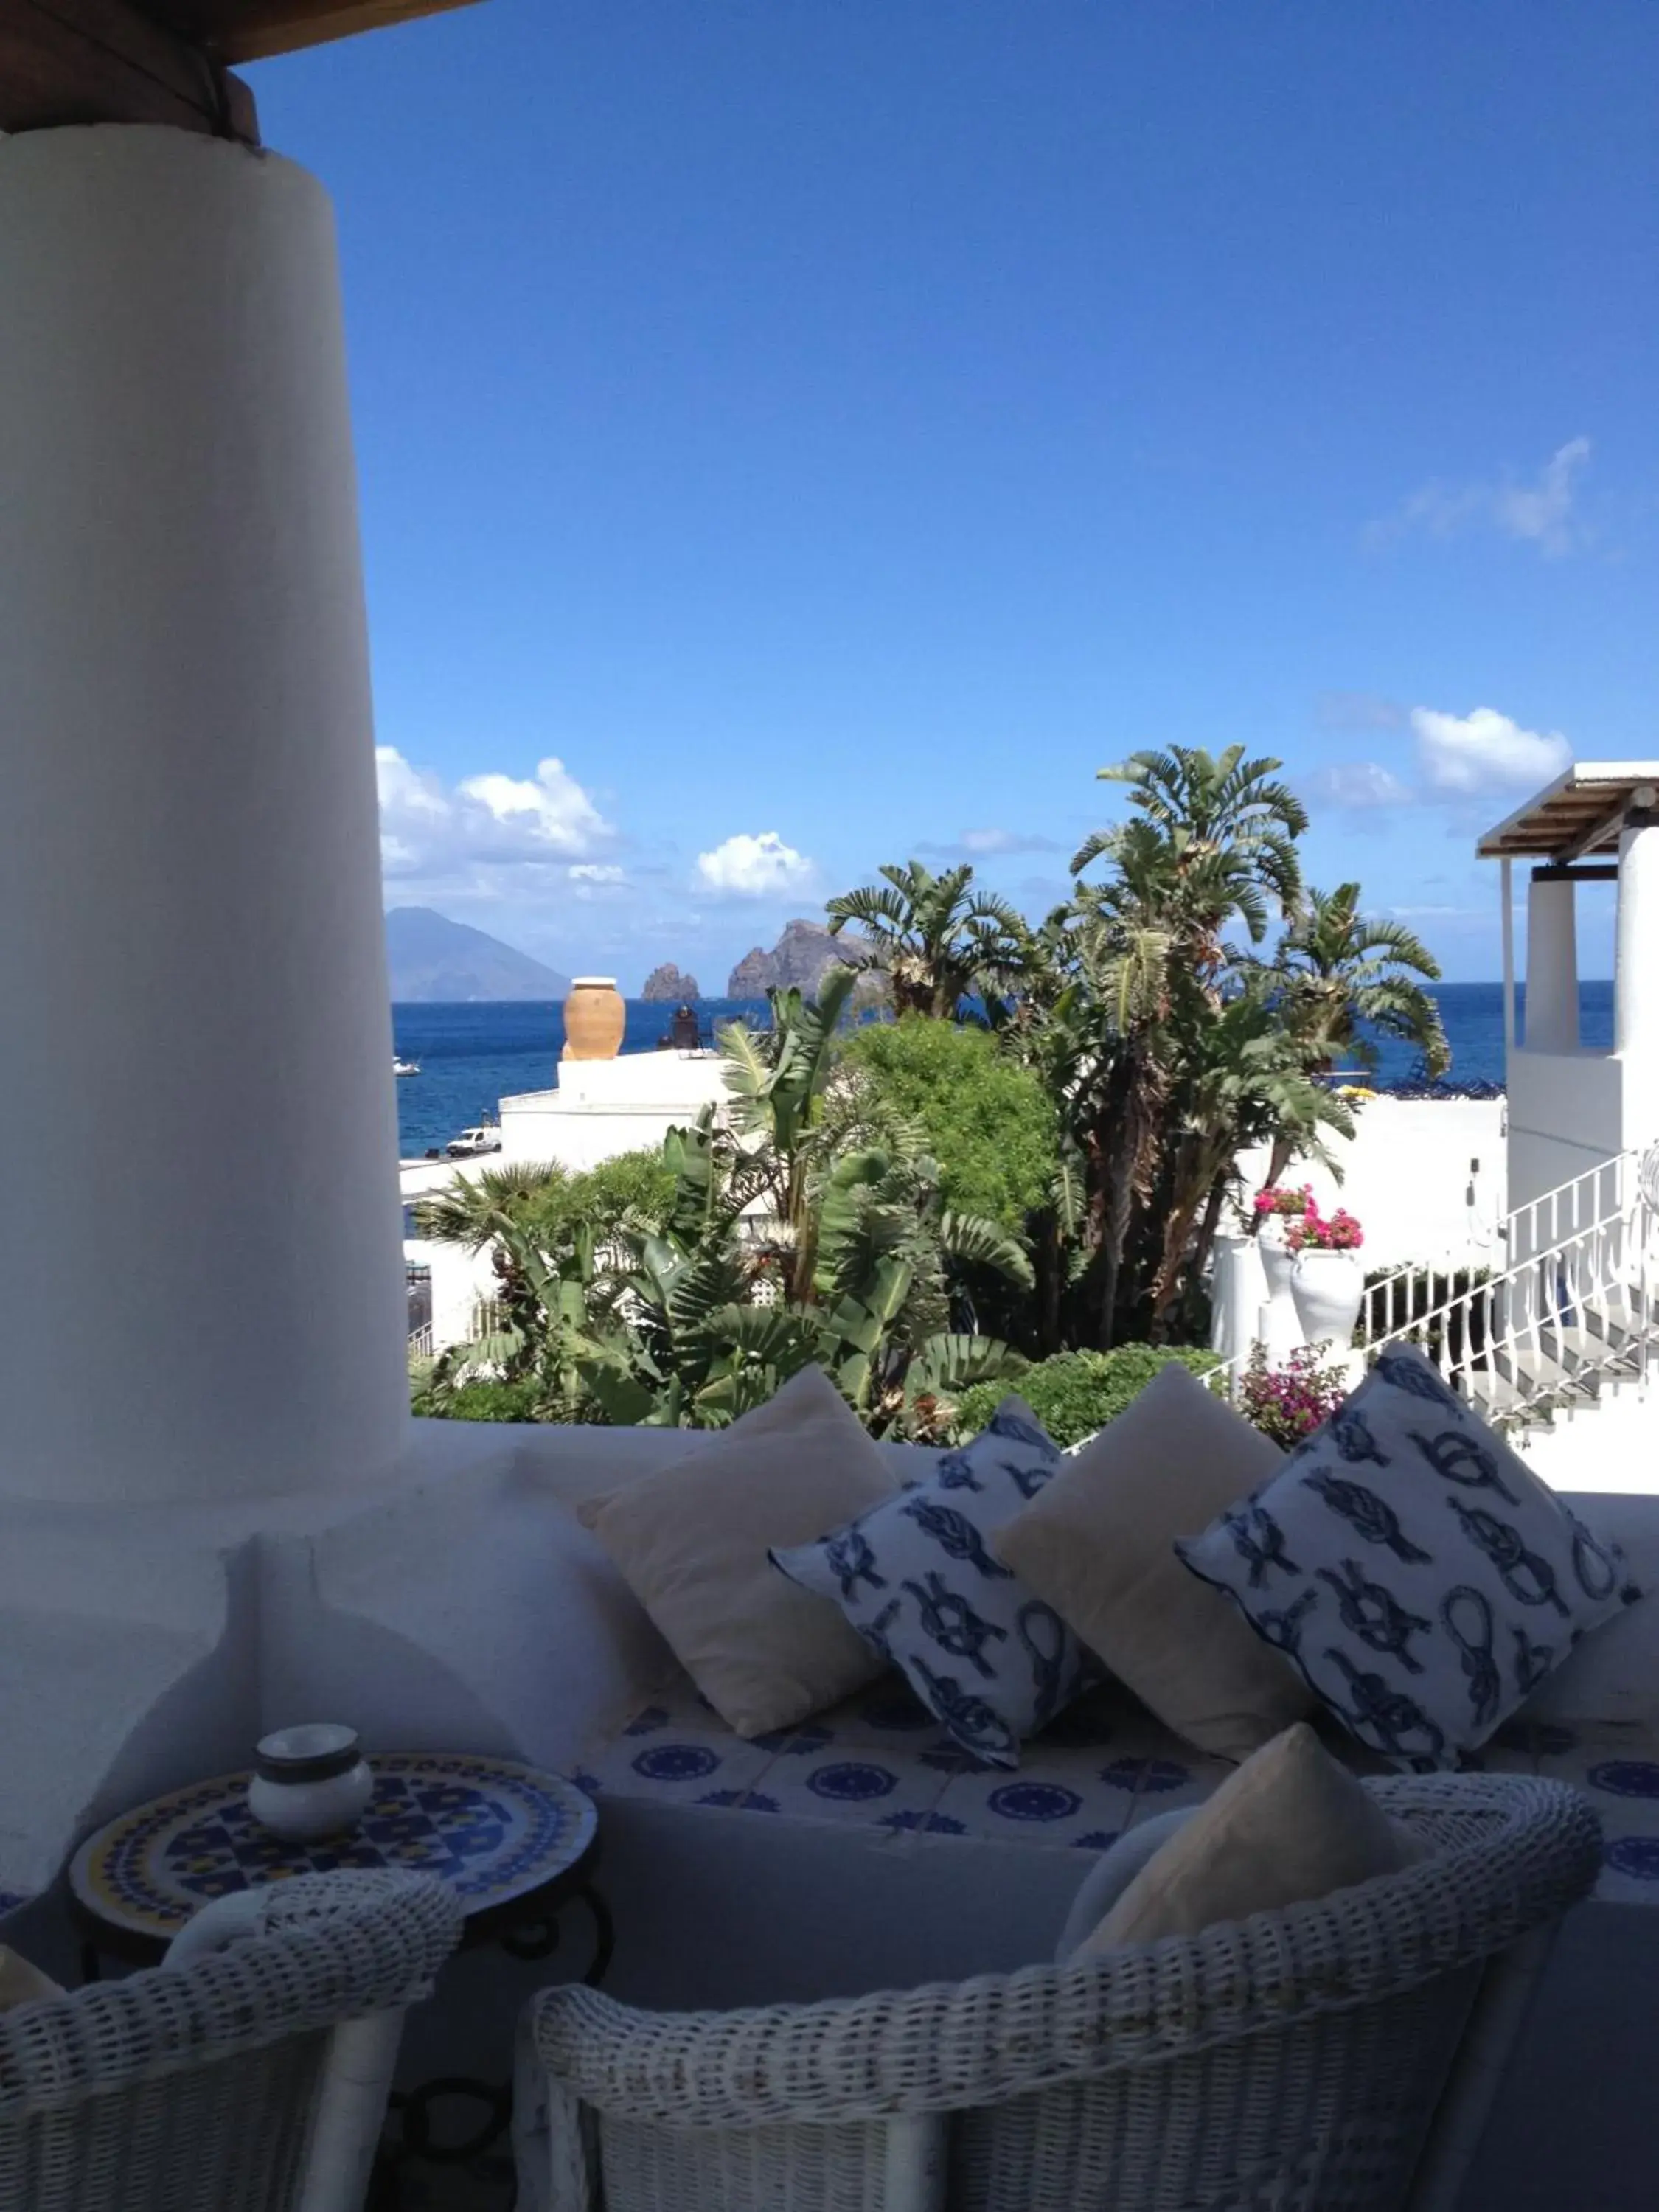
point(515, 1844)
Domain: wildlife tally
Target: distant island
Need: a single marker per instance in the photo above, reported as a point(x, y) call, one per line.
point(798, 958)
point(670, 983)
point(431, 958)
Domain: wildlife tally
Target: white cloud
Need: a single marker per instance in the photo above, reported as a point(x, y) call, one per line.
point(755, 867)
point(596, 879)
point(1537, 512)
point(469, 835)
point(1465, 755)
point(1356, 786)
point(552, 809)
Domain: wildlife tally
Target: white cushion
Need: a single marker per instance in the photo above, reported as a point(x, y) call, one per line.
point(917, 1577)
point(1289, 1826)
point(1097, 1542)
point(1417, 1572)
point(693, 1542)
point(1111, 1874)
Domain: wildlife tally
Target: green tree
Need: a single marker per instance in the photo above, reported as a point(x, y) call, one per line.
point(1242, 1080)
point(935, 939)
point(1341, 972)
point(802, 1228)
point(987, 1120)
point(1223, 833)
point(1132, 1015)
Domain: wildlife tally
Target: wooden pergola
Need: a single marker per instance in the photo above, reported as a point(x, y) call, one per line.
point(164, 61)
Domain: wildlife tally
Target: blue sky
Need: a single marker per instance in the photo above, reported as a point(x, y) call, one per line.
point(829, 430)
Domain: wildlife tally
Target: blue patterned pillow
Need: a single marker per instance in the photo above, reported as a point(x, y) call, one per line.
point(917, 1579)
point(1417, 1573)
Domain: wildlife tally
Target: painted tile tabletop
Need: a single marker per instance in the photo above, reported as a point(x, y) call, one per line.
point(494, 1830)
point(881, 1761)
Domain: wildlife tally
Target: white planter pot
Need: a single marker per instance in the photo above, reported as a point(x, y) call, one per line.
point(1327, 1287)
point(1280, 1325)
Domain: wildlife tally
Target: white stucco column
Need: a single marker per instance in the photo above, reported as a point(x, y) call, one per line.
point(1551, 965)
point(201, 1290)
point(1635, 959)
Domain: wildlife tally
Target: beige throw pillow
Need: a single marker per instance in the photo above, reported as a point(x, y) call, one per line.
point(1291, 1824)
point(21, 1984)
point(1097, 1545)
point(693, 1542)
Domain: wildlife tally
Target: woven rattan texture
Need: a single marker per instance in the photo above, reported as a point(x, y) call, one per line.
point(191, 2090)
point(1292, 2060)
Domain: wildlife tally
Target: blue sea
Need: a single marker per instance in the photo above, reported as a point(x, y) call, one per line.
point(472, 1055)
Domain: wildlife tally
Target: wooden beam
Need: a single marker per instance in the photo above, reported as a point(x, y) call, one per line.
point(254, 30)
point(1593, 831)
point(106, 61)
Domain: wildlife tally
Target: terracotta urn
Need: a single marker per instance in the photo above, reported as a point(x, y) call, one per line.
point(594, 1018)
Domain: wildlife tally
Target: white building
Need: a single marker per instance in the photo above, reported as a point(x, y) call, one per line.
point(1573, 1109)
point(596, 1110)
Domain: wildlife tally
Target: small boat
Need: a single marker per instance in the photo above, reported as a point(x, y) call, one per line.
point(405, 1067)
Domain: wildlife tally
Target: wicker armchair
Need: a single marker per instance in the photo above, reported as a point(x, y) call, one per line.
point(1293, 2061)
point(249, 2081)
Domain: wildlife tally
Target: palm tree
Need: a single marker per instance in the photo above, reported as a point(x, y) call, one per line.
point(936, 940)
point(776, 1082)
point(1243, 1081)
point(1109, 1033)
point(1339, 969)
point(1227, 832)
point(471, 1210)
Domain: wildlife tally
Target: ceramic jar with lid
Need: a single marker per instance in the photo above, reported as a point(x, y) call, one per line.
point(309, 1781)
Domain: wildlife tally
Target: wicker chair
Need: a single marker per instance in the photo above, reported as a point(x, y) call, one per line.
point(1293, 2061)
point(249, 2081)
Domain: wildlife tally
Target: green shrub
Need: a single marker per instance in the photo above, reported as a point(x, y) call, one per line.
point(484, 1401)
point(988, 1122)
point(1076, 1393)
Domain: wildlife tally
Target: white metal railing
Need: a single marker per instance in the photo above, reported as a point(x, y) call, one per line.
point(420, 1341)
point(1575, 1298)
point(1577, 1301)
point(1572, 1210)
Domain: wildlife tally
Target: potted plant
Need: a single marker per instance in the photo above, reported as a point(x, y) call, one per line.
point(1327, 1279)
point(1277, 1209)
point(1288, 1403)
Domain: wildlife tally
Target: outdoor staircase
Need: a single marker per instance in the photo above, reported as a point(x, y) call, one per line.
point(1572, 1316)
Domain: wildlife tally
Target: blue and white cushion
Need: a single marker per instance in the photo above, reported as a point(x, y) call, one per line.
point(1420, 1575)
point(916, 1576)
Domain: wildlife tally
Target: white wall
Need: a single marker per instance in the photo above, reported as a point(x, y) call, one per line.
point(1567, 1115)
point(603, 1107)
point(1408, 1179)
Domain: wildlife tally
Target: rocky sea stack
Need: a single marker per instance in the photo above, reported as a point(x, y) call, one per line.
point(798, 958)
point(670, 983)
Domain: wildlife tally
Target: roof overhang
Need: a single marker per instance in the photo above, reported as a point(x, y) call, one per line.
point(254, 30)
point(1581, 813)
point(65, 62)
